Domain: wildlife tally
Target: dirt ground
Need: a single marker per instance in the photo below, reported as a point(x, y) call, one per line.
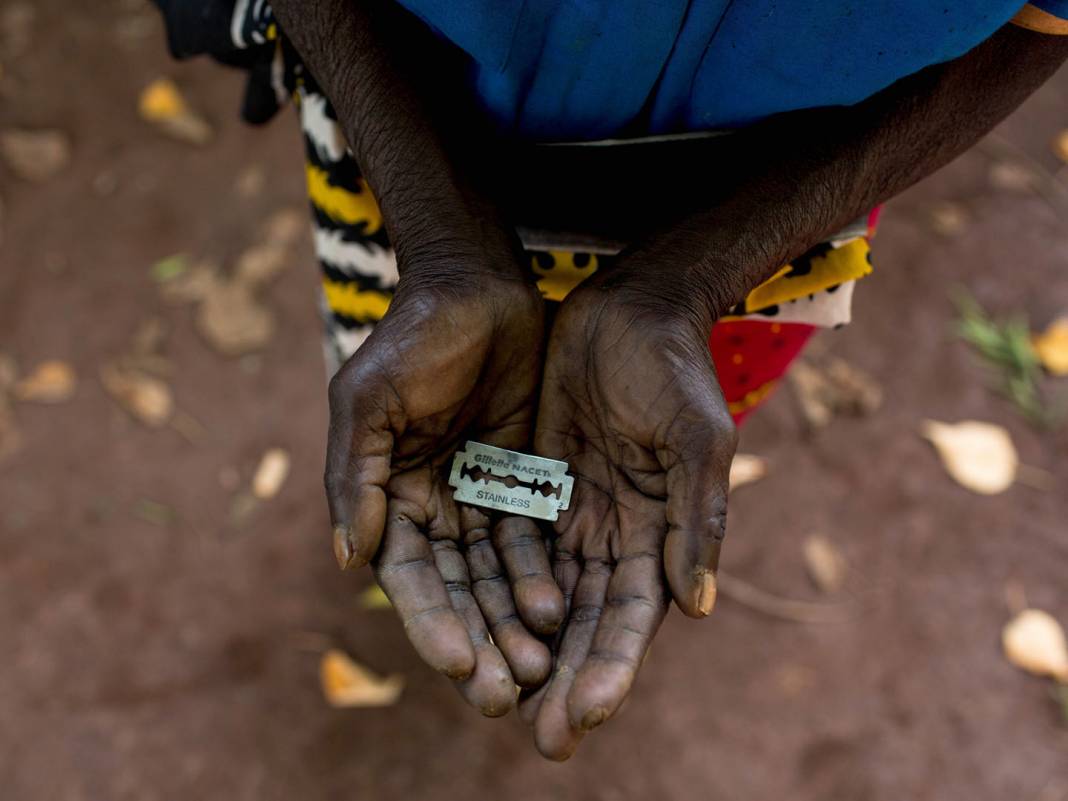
point(153, 656)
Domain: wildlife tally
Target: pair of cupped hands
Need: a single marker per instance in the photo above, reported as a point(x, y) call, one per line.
point(623, 390)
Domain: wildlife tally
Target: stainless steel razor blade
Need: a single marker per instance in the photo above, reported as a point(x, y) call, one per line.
point(509, 481)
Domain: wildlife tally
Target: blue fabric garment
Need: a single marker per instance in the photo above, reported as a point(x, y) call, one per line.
point(589, 69)
point(1058, 8)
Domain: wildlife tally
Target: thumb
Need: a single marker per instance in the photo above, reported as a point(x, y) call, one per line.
point(697, 483)
point(359, 446)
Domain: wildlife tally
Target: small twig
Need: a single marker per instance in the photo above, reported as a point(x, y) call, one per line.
point(1036, 478)
point(191, 429)
point(746, 594)
point(1047, 185)
point(1015, 596)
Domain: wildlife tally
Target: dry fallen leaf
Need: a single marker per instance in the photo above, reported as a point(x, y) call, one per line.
point(1011, 176)
point(160, 100)
point(1060, 146)
point(233, 321)
point(229, 315)
point(978, 456)
point(1034, 641)
point(746, 468)
point(284, 227)
point(145, 397)
point(250, 181)
point(825, 563)
point(810, 386)
point(161, 103)
point(855, 392)
point(51, 382)
point(35, 155)
point(837, 388)
point(260, 263)
point(1051, 346)
point(348, 684)
point(948, 218)
point(271, 473)
point(374, 597)
point(190, 284)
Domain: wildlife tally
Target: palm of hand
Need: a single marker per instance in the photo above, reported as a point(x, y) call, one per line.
point(439, 369)
point(631, 403)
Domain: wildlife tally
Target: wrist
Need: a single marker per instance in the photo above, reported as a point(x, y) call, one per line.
point(436, 219)
point(504, 293)
point(450, 246)
point(701, 268)
point(445, 251)
point(692, 293)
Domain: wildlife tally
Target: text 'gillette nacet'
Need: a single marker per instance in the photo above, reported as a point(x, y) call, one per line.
point(508, 481)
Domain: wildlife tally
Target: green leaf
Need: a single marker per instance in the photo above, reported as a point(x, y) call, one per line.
point(1006, 348)
point(170, 268)
point(1060, 694)
point(156, 513)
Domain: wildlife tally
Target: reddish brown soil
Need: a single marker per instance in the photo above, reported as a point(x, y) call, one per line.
point(179, 661)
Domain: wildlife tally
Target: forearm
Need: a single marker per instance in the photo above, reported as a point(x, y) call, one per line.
point(821, 169)
point(395, 89)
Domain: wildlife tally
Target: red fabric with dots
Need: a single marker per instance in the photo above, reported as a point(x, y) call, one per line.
point(750, 355)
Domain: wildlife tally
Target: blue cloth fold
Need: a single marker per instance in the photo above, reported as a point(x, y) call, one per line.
point(1058, 8)
point(589, 69)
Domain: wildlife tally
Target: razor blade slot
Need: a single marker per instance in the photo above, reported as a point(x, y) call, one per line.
point(544, 488)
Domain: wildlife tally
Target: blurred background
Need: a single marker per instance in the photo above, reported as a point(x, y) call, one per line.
point(167, 587)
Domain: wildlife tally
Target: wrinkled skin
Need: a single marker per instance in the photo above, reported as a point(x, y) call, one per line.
point(630, 401)
point(448, 362)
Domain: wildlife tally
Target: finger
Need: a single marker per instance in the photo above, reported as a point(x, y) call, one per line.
point(521, 547)
point(490, 688)
point(408, 574)
point(554, 736)
point(527, 657)
point(567, 570)
point(529, 703)
point(635, 606)
point(697, 481)
point(359, 445)
point(692, 548)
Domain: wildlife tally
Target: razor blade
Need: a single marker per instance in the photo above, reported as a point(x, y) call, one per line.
point(509, 481)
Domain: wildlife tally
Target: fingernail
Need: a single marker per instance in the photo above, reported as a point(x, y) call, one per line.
point(706, 593)
point(594, 718)
point(342, 547)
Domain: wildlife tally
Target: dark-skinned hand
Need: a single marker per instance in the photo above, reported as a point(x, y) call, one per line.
point(630, 401)
point(450, 361)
